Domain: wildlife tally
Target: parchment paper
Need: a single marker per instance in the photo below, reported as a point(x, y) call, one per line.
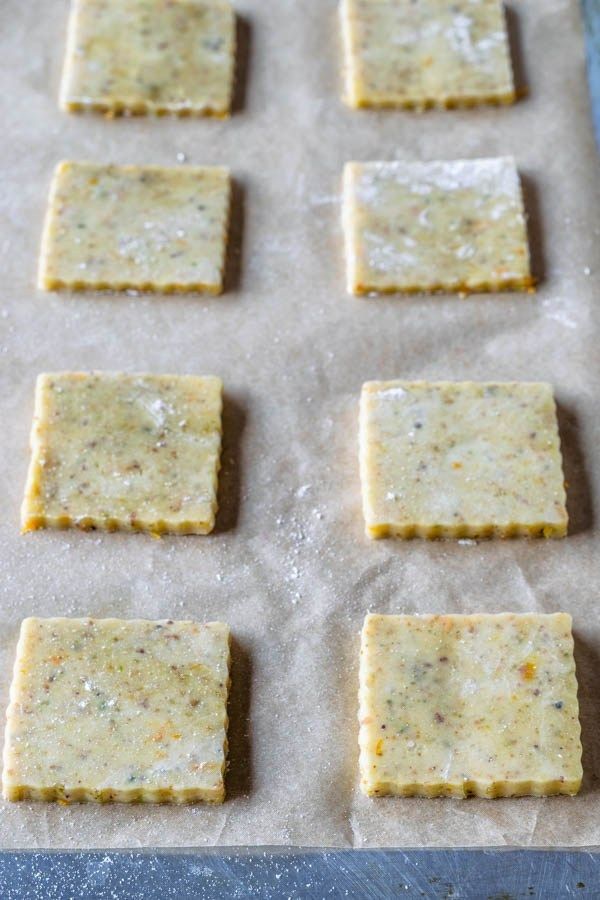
point(288, 566)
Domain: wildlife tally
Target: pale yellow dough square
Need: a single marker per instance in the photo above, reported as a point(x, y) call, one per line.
point(457, 705)
point(112, 709)
point(124, 453)
point(461, 459)
point(139, 228)
point(435, 226)
point(399, 53)
point(150, 57)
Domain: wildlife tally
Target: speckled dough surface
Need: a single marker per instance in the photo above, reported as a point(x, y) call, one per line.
point(477, 704)
point(427, 226)
point(109, 709)
point(452, 459)
point(145, 228)
point(400, 53)
point(150, 56)
point(124, 453)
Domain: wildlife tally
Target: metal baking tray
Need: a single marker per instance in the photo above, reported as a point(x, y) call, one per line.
point(266, 873)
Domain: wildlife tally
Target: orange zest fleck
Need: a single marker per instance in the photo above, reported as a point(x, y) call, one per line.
point(527, 671)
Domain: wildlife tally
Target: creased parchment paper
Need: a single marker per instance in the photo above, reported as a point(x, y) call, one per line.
point(288, 566)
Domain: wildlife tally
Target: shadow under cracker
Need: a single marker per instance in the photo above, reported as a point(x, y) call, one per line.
point(243, 39)
point(535, 232)
point(233, 261)
point(517, 56)
point(587, 663)
point(238, 781)
point(234, 422)
point(579, 494)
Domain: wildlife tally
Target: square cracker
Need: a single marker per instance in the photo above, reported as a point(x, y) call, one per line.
point(124, 453)
point(458, 705)
point(150, 56)
point(399, 53)
point(111, 709)
point(145, 228)
point(461, 459)
point(435, 226)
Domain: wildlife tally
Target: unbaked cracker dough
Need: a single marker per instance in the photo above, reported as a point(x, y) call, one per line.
point(399, 53)
point(461, 459)
point(428, 226)
point(145, 228)
point(124, 452)
point(457, 705)
point(110, 709)
point(150, 56)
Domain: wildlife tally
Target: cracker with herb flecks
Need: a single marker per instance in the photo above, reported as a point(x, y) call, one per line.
point(457, 705)
point(456, 225)
point(150, 57)
point(113, 709)
point(124, 452)
point(399, 53)
point(461, 459)
point(139, 228)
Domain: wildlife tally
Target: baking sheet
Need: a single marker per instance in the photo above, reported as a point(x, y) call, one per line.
point(288, 566)
point(271, 872)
